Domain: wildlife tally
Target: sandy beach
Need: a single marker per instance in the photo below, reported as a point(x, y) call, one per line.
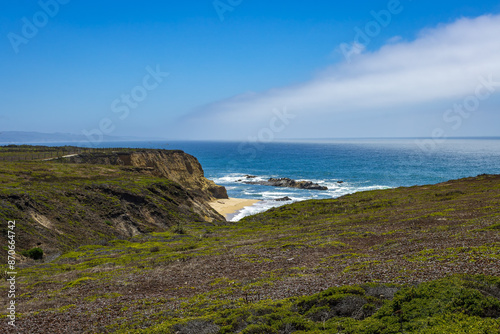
point(230, 206)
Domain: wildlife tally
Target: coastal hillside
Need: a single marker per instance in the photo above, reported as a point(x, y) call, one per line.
point(174, 165)
point(422, 259)
point(63, 203)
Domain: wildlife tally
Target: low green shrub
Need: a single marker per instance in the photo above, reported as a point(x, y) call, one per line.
point(179, 229)
point(456, 304)
point(33, 253)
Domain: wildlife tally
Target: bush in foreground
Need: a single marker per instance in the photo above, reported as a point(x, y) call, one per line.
point(456, 304)
point(33, 253)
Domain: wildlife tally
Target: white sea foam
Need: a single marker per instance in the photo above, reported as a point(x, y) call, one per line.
point(235, 185)
point(257, 208)
point(238, 178)
point(275, 194)
point(230, 178)
point(269, 198)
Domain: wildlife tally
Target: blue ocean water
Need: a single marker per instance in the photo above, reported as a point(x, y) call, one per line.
point(362, 164)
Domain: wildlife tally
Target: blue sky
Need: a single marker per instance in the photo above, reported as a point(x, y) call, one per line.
point(234, 72)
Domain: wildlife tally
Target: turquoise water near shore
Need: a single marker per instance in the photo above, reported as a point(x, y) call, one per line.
point(362, 164)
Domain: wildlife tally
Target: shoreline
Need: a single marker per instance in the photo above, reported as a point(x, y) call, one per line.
point(230, 206)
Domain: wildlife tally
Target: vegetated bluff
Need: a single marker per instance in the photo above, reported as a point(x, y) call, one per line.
point(97, 196)
point(174, 165)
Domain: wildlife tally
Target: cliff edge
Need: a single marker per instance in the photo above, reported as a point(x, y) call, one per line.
point(62, 203)
point(174, 165)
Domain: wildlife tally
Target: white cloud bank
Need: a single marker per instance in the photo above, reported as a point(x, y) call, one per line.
point(441, 66)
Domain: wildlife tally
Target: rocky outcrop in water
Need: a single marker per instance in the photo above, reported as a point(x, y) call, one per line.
point(288, 183)
point(283, 199)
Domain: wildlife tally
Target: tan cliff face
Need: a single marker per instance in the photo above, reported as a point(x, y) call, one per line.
point(174, 165)
point(179, 167)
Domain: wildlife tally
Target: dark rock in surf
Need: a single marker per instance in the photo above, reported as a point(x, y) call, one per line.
point(283, 199)
point(288, 183)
